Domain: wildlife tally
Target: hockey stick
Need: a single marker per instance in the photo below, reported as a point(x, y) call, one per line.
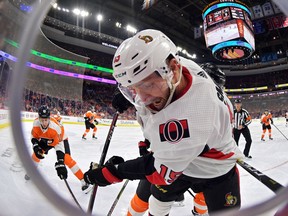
point(280, 132)
point(266, 180)
point(74, 198)
point(191, 193)
point(102, 159)
point(117, 198)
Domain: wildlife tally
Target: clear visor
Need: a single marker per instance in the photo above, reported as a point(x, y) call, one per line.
point(131, 95)
point(150, 90)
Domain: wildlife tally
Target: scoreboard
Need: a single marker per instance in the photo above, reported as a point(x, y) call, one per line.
point(225, 21)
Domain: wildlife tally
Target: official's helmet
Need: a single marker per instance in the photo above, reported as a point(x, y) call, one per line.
point(237, 101)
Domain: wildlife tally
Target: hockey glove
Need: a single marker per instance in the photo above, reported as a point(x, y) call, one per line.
point(143, 147)
point(96, 122)
point(105, 175)
point(36, 148)
point(61, 169)
point(271, 121)
point(43, 143)
point(120, 103)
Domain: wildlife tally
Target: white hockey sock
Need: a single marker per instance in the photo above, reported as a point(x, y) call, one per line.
point(158, 208)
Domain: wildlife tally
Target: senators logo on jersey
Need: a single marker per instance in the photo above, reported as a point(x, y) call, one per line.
point(174, 130)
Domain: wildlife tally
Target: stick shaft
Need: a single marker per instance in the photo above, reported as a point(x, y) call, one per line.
point(74, 198)
point(264, 179)
point(102, 160)
point(280, 131)
point(117, 198)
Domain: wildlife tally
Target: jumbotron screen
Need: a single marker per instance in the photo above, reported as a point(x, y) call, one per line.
point(228, 21)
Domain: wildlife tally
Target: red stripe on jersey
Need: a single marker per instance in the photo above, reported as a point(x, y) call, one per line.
point(109, 176)
point(215, 154)
point(184, 124)
point(156, 178)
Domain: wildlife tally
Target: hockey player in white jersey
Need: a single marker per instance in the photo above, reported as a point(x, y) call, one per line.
point(186, 119)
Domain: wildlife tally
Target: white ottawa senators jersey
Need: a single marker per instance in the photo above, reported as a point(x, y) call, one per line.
point(193, 135)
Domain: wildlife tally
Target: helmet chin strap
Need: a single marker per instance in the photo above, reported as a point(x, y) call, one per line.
point(172, 88)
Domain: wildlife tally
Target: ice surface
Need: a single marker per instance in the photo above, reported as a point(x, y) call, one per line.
point(20, 197)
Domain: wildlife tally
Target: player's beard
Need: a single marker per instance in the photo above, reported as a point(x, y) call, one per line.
point(158, 103)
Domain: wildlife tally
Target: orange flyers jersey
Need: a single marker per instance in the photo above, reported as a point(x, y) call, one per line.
point(53, 133)
point(58, 118)
point(265, 119)
point(91, 116)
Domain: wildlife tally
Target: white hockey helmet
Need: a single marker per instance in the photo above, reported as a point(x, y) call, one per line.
point(141, 55)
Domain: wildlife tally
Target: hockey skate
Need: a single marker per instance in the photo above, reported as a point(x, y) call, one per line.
point(86, 188)
point(270, 138)
point(95, 138)
point(262, 139)
point(84, 138)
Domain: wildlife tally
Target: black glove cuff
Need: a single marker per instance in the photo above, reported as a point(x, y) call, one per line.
point(60, 155)
point(34, 141)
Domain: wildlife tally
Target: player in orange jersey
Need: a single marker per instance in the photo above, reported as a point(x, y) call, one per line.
point(48, 133)
point(90, 122)
point(266, 119)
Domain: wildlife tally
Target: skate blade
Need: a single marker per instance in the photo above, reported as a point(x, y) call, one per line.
point(87, 190)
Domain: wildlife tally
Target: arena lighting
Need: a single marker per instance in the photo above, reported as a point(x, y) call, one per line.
point(118, 25)
point(76, 11)
point(99, 17)
point(184, 51)
point(55, 5)
point(59, 72)
point(247, 89)
point(281, 85)
point(130, 28)
point(82, 13)
point(63, 61)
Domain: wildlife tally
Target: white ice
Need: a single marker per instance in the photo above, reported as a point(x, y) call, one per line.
point(20, 197)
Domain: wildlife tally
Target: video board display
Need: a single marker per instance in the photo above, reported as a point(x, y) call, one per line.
point(227, 21)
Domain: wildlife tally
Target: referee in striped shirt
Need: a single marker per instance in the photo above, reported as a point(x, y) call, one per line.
point(241, 121)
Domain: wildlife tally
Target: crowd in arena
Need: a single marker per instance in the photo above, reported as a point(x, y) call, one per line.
point(275, 102)
point(98, 97)
point(257, 80)
point(94, 101)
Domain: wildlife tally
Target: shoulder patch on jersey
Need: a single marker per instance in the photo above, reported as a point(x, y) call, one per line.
point(202, 74)
point(174, 130)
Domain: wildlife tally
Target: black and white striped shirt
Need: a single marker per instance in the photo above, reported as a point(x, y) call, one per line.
point(241, 118)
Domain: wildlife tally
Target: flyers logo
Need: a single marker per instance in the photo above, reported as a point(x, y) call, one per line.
point(146, 38)
point(174, 130)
